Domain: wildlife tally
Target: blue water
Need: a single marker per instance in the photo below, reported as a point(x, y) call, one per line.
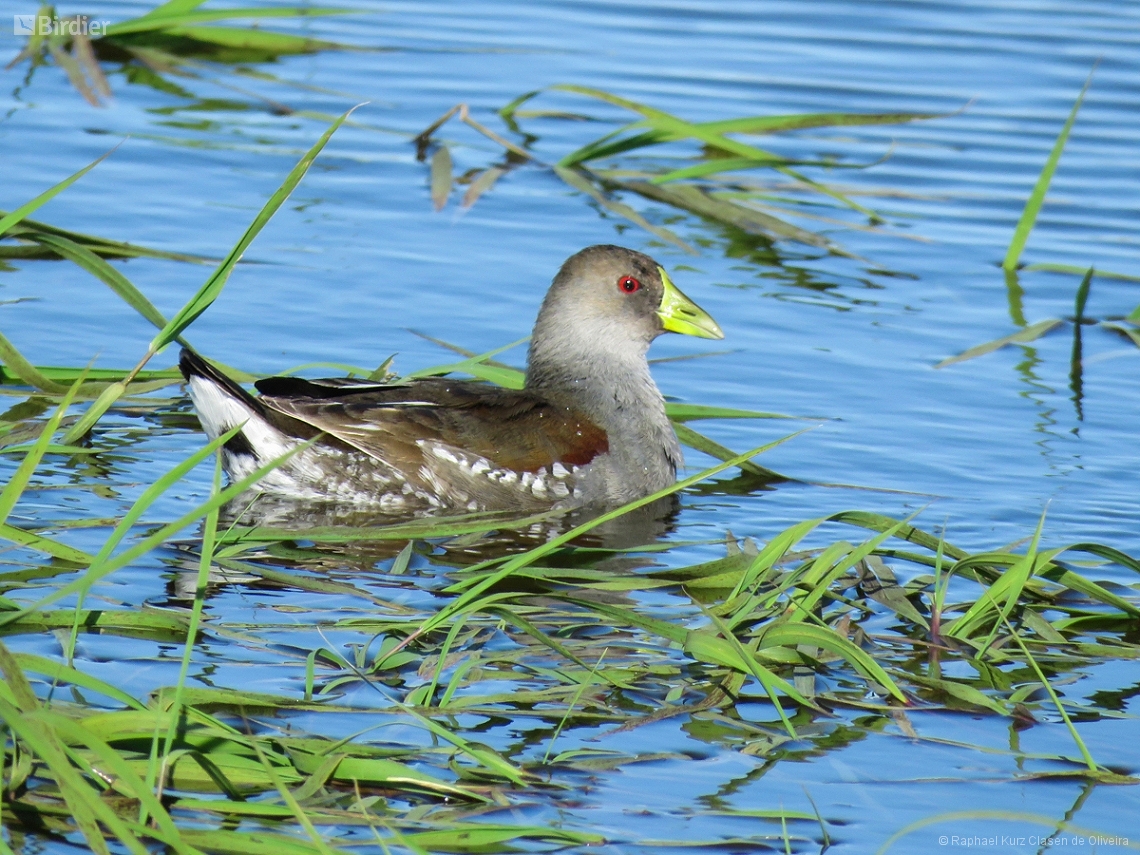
point(358, 259)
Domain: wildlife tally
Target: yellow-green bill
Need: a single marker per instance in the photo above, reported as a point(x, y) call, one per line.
point(679, 314)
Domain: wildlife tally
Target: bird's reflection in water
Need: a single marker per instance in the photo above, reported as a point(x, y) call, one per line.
point(345, 540)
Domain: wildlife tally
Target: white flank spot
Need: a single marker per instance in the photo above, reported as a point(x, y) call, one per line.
point(444, 454)
point(559, 470)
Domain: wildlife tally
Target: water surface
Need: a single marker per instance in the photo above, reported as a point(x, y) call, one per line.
point(358, 260)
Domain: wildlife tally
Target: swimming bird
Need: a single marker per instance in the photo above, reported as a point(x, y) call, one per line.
point(587, 429)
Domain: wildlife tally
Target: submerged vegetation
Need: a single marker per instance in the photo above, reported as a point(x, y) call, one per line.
point(422, 641)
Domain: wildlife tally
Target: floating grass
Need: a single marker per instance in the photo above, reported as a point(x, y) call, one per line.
point(171, 40)
point(767, 612)
point(33, 240)
point(1037, 197)
point(715, 183)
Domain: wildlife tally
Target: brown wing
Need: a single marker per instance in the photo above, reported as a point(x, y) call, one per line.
point(512, 429)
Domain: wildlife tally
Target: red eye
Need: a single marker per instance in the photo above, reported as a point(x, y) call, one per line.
point(628, 284)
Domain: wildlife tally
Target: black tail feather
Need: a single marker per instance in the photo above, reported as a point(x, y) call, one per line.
point(193, 365)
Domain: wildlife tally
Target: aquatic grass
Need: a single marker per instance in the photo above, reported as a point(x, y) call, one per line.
point(470, 597)
point(1127, 327)
point(1094, 769)
point(33, 240)
point(310, 772)
point(13, 218)
point(1037, 197)
point(170, 39)
point(107, 563)
point(713, 184)
point(157, 772)
point(51, 736)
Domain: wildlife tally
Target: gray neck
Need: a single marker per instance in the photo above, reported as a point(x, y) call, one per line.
point(610, 383)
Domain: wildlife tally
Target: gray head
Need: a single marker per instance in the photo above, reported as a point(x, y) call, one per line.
point(605, 306)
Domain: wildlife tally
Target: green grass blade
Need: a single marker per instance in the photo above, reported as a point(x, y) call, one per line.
point(678, 412)
point(155, 491)
point(1088, 758)
point(112, 761)
point(704, 645)
point(173, 18)
point(19, 480)
point(1030, 333)
point(659, 120)
point(97, 571)
point(475, 363)
point(94, 412)
point(209, 536)
point(173, 7)
point(1037, 197)
point(213, 286)
point(800, 121)
point(1003, 594)
point(26, 723)
point(702, 443)
point(258, 41)
point(773, 551)
point(43, 544)
point(295, 809)
point(716, 167)
point(104, 247)
point(792, 634)
point(573, 703)
point(613, 144)
point(1129, 332)
point(66, 376)
point(25, 371)
point(82, 804)
point(1078, 271)
point(57, 672)
point(1083, 295)
point(676, 128)
point(763, 676)
point(9, 220)
point(509, 378)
